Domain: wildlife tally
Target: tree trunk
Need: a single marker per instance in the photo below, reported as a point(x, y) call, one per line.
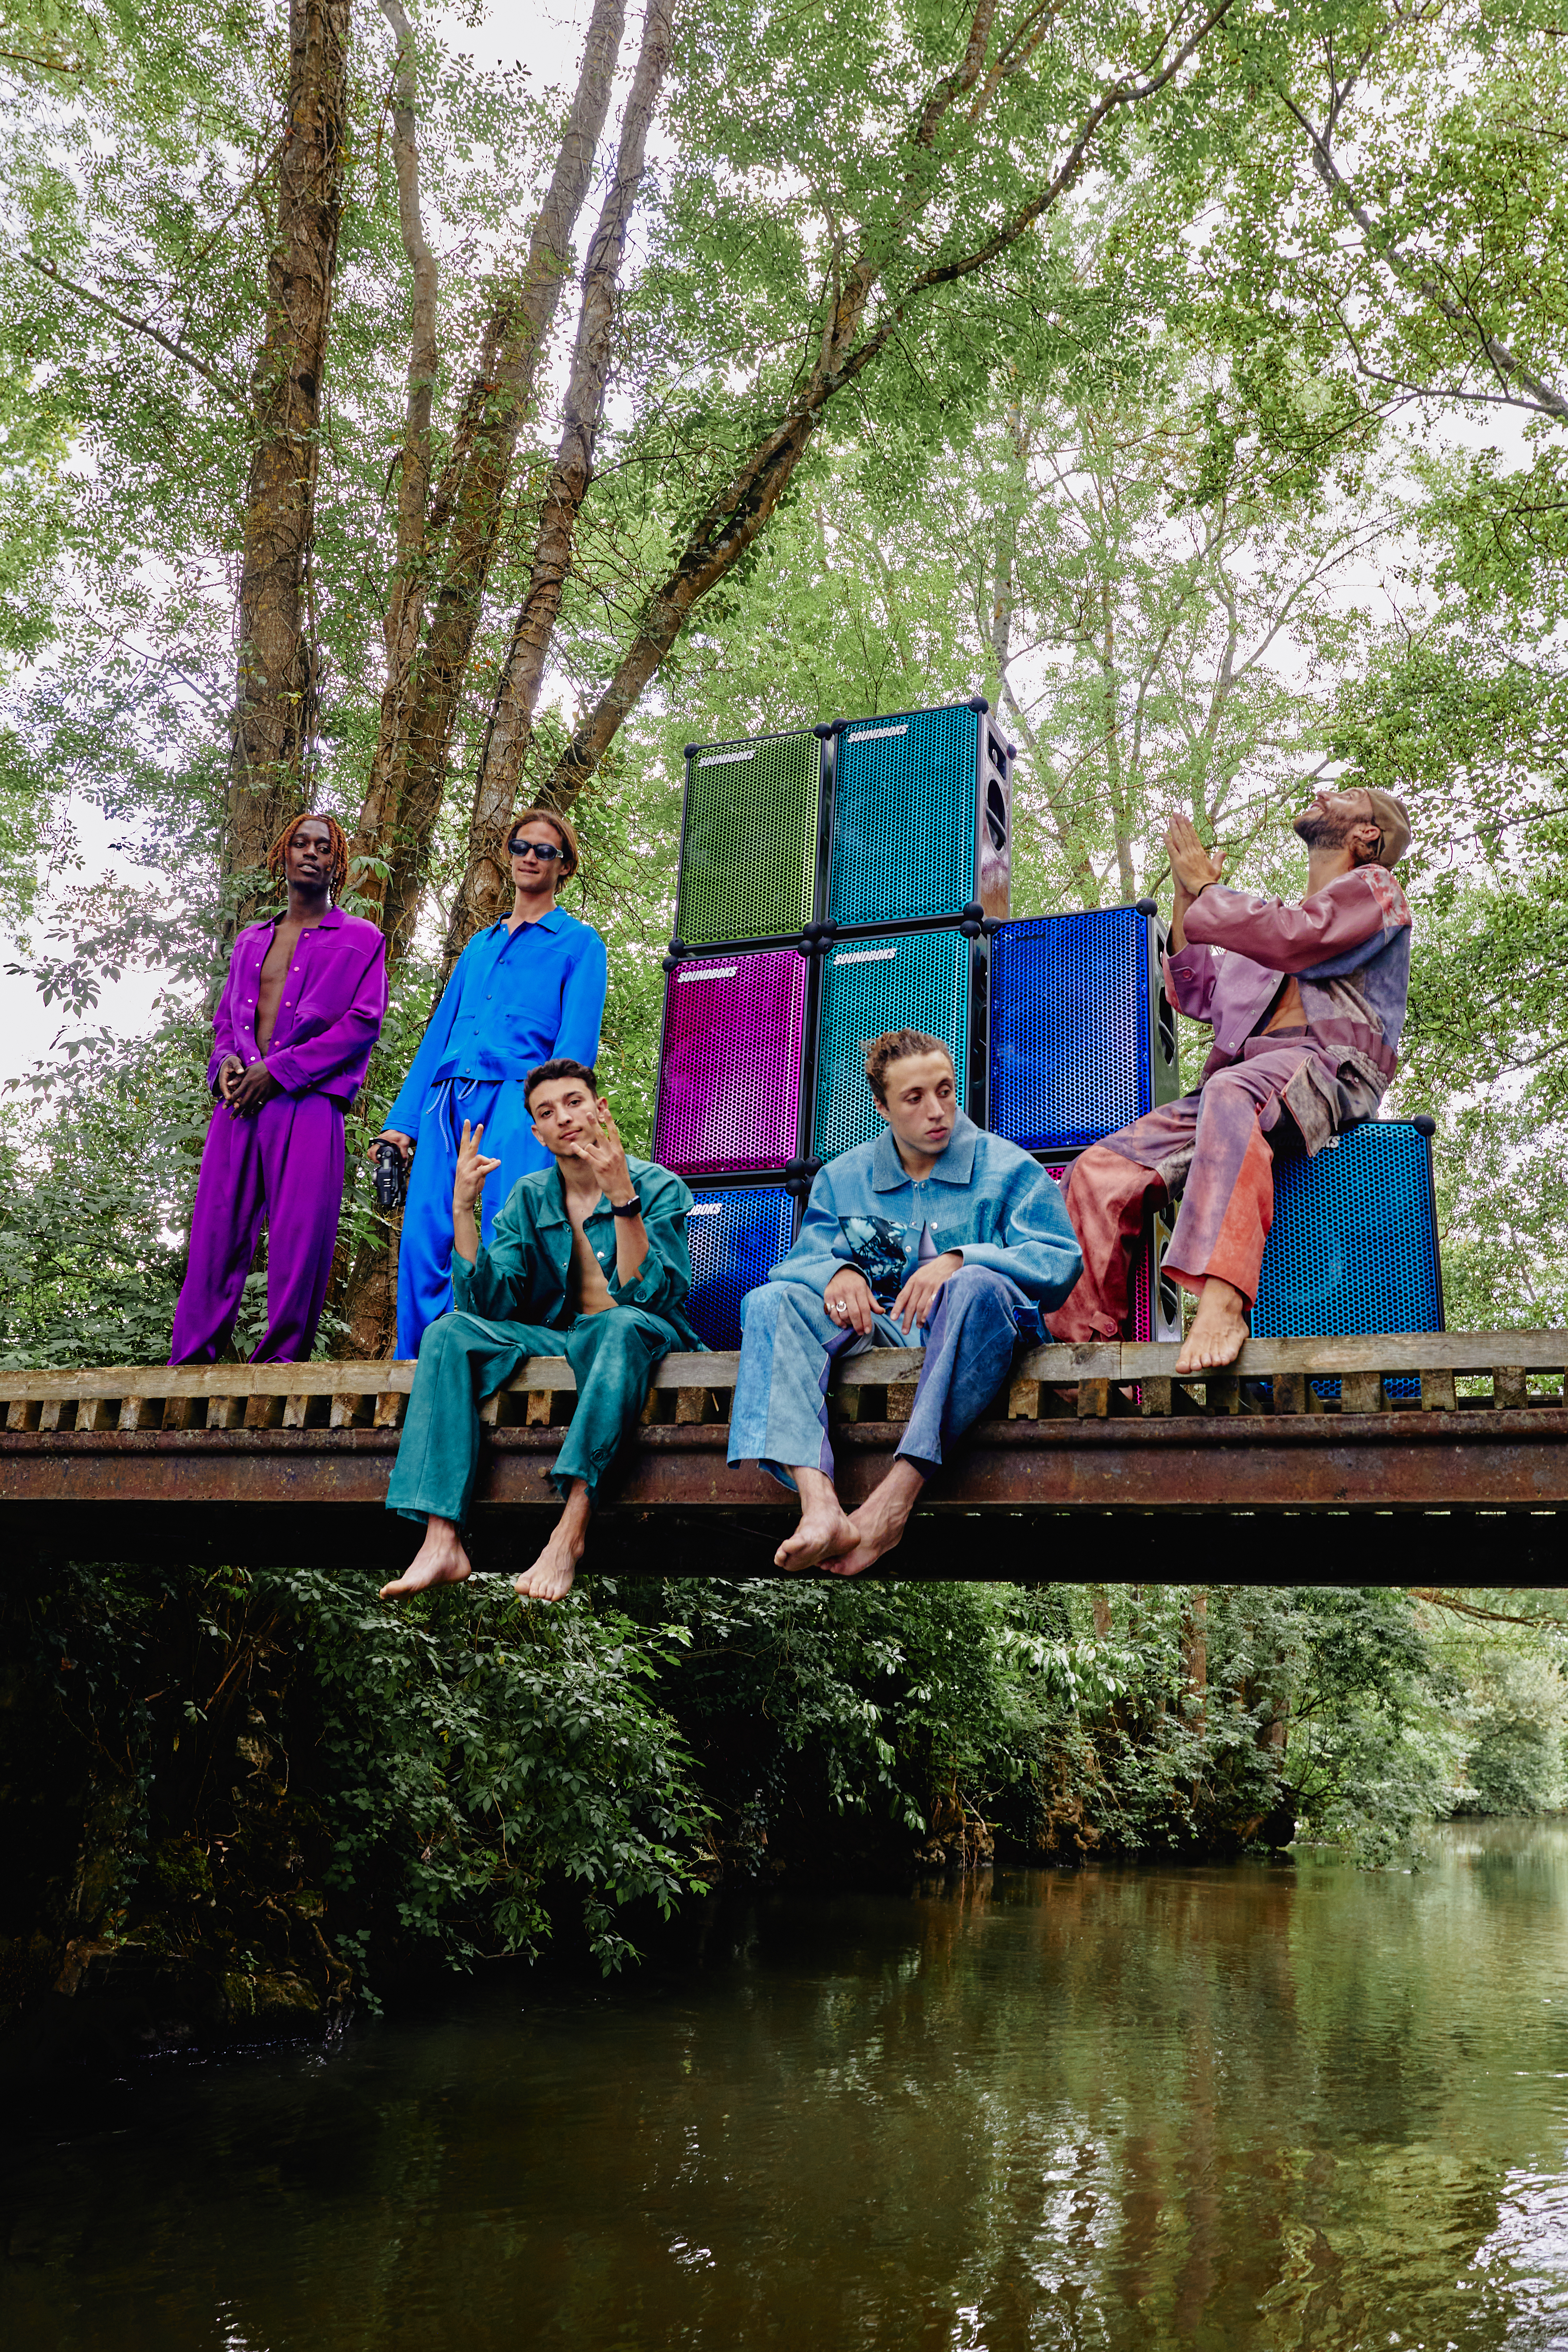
point(485, 883)
point(277, 672)
point(405, 598)
point(416, 735)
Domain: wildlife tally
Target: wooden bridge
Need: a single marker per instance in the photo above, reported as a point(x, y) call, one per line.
point(1097, 1465)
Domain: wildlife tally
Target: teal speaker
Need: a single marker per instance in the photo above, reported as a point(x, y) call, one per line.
point(931, 980)
point(753, 838)
point(921, 818)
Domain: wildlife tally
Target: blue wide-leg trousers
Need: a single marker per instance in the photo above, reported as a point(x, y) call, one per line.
point(790, 1343)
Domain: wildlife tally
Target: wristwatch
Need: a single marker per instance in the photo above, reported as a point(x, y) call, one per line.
point(632, 1208)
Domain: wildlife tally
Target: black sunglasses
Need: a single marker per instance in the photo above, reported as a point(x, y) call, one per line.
point(532, 849)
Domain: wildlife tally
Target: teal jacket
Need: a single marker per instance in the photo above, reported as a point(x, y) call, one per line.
point(522, 1277)
point(984, 1197)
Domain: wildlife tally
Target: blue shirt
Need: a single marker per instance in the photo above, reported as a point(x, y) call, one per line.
point(983, 1196)
point(516, 998)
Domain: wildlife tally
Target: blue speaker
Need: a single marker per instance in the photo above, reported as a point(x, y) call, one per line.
point(737, 1234)
point(921, 817)
point(1353, 1245)
point(918, 980)
point(1082, 1040)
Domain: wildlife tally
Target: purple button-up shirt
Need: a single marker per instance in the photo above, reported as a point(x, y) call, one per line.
point(334, 1001)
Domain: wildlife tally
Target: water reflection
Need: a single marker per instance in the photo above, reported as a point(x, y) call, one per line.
point(1235, 2107)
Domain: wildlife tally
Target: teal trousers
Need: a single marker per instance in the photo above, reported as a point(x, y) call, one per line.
point(462, 1359)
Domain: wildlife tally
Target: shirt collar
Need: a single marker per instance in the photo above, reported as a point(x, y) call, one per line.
point(551, 922)
point(956, 1165)
point(332, 920)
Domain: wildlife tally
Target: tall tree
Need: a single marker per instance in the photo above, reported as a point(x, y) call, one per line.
point(408, 770)
point(277, 684)
point(510, 732)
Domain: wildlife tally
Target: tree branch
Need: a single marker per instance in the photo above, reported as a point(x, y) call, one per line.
point(141, 327)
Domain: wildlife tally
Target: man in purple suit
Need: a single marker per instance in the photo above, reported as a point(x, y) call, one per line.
point(300, 1013)
point(1306, 1004)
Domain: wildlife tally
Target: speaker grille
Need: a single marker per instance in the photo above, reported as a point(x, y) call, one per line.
point(748, 848)
point(737, 1235)
point(904, 818)
point(1353, 1246)
point(729, 1075)
point(1070, 1049)
point(920, 980)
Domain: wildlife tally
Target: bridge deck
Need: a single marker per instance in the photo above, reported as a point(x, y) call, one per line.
point(1097, 1464)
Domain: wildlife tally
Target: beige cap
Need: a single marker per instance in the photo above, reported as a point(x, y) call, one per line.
point(1394, 823)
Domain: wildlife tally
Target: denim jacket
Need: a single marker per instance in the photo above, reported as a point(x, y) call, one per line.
point(984, 1197)
point(524, 1276)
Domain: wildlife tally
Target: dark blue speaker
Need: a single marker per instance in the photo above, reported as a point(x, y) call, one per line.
point(1082, 1040)
point(1353, 1245)
point(921, 817)
point(737, 1234)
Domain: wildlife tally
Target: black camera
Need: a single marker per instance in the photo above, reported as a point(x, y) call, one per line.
point(389, 1176)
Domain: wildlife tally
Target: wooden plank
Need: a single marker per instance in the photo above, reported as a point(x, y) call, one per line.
point(1510, 1388)
point(901, 1400)
point(1024, 1400)
point(1155, 1397)
point(23, 1413)
point(352, 1409)
point(391, 1409)
point(1362, 1392)
point(1093, 1400)
point(264, 1412)
point(693, 1407)
point(539, 1404)
point(142, 1413)
point(1222, 1392)
point(1291, 1392)
point(1437, 1392)
point(1391, 1352)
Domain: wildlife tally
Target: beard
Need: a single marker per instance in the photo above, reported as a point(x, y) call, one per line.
point(1319, 830)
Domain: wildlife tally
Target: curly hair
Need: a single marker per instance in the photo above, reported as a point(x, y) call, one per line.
point(336, 837)
point(897, 1045)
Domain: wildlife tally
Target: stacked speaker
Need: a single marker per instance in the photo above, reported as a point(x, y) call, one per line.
point(1353, 1245)
point(834, 882)
point(1083, 1041)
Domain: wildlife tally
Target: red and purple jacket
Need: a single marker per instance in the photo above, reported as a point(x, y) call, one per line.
point(1347, 948)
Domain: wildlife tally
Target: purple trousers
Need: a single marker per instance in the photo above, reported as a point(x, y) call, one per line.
point(285, 1163)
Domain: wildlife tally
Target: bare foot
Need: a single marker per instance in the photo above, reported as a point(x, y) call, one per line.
point(1219, 1330)
point(550, 1578)
point(825, 1529)
point(881, 1521)
point(440, 1560)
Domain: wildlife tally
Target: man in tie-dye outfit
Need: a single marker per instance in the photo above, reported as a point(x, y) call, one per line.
point(1306, 1004)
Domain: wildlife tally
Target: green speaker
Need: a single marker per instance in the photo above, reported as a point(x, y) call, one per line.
point(751, 838)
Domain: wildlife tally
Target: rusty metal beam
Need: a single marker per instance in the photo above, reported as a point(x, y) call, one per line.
point(1023, 1498)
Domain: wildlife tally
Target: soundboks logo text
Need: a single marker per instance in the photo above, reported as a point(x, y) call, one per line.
point(724, 759)
point(705, 1209)
point(874, 734)
point(714, 971)
point(868, 955)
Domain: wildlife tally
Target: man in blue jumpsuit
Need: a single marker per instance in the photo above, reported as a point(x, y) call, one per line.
point(529, 990)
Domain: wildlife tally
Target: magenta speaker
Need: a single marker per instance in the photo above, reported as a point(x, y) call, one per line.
point(1156, 1301)
point(730, 1066)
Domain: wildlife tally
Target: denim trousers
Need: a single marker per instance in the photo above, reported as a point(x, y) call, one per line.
point(462, 1359)
point(790, 1343)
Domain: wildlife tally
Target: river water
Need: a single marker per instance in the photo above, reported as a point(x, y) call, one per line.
point(1268, 2106)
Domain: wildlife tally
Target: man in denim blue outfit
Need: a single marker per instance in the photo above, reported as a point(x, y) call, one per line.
point(934, 1228)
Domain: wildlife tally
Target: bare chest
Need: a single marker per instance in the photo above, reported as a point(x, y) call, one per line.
point(591, 1291)
point(269, 987)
